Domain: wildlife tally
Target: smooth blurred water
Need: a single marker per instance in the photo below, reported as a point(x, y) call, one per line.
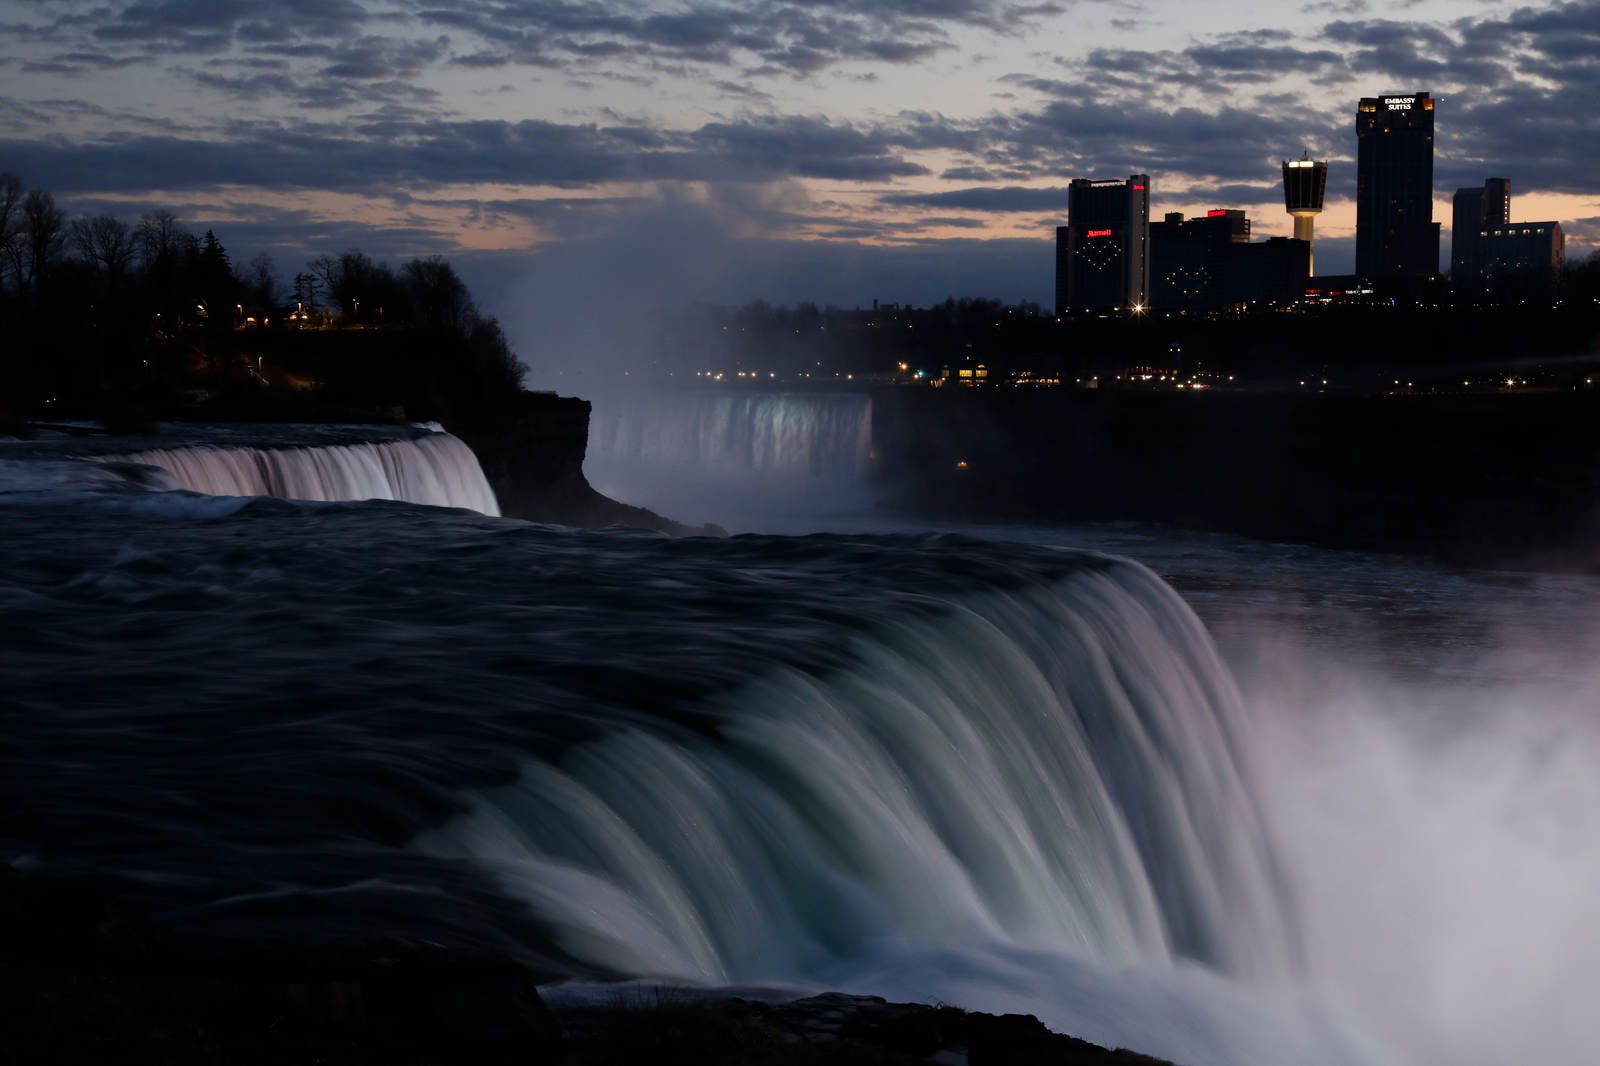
point(734, 457)
point(434, 468)
point(1336, 808)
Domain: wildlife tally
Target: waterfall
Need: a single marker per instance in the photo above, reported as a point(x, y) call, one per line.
point(436, 469)
point(769, 434)
point(703, 453)
point(1059, 768)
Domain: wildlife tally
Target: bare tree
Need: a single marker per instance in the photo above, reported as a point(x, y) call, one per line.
point(10, 216)
point(439, 298)
point(261, 276)
point(105, 241)
point(307, 287)
point(161, 237)
point(42, 236)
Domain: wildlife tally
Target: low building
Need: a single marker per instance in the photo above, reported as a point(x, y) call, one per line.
point(1520, 262)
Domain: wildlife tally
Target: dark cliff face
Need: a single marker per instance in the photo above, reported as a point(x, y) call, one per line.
point(1500, 480)
point(532, 452)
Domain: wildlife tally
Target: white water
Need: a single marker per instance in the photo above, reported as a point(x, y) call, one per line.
point(437, 470)
point(723, 455)
point(1038, 800)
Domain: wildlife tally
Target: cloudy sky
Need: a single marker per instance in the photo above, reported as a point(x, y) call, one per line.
point(839, 150)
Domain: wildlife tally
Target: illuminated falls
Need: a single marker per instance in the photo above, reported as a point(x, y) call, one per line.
point(1055, 765)
point(694, 454)
point(1006, 776)
point(615, 754)
point(435, 469)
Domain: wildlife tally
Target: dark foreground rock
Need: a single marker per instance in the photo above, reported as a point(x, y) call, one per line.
point(831, 1028)
point(86, 978)
point(532, 452)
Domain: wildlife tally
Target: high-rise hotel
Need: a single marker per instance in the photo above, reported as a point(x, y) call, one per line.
point(1103, 252)
point(1396, 236)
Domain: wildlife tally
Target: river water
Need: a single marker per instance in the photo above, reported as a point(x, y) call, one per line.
point(1218, 800)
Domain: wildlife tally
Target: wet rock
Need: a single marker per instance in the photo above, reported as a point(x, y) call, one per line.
point(85, 977)
point(532, 452)
point(831, 1028)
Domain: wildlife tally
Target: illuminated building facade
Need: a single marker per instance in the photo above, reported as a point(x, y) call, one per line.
point(1104, 249)
point(1209, 264)
point(1305, 187)
point(1396, 237)
point(1189, 259)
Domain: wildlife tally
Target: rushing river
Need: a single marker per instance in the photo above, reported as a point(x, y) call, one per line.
point(1233, 803)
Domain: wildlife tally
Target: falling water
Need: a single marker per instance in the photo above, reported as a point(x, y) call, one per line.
point(711, 455)
point(435, 469)
point(1060, 767)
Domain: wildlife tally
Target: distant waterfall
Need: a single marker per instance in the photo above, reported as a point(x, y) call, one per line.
point(1060, 768)
point(695, 454)
point(436, 469)
point(777, 434)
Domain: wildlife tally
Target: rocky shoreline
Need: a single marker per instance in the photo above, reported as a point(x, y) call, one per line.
point(532, 452)
point(86, 978)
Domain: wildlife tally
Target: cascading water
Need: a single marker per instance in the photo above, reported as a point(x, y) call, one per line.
point(1060, 768)
point(721, 455)
point(1003, 776)
point(435, 469)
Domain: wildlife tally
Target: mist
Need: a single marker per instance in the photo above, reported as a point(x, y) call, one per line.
point(1434, 769)
point(584, 310)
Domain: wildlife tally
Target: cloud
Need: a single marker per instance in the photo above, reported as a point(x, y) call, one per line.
point(985, 198)
point(366, 97)
point(406, 152)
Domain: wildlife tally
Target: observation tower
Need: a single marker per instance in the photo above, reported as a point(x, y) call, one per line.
point(1305, 183)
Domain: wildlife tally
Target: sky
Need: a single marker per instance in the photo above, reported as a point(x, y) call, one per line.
point(581, 157)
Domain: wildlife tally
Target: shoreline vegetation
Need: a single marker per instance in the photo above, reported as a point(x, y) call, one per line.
point(134, 324)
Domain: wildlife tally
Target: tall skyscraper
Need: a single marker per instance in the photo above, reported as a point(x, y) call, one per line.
point(1305, 185)
point(1396, 237)
point(1105, 246)
point(1063, 258)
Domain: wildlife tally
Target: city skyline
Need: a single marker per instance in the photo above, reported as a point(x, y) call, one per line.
point(825, 151)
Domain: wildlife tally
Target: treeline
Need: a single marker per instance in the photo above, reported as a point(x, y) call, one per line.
point(100, 310)
point(823, 341)
point(1363, 346)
